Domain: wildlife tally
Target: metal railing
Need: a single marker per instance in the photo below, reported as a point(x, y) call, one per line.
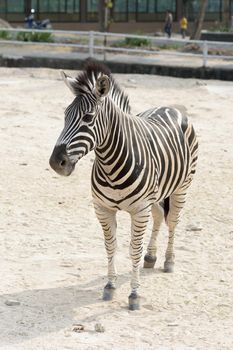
point(92, 45)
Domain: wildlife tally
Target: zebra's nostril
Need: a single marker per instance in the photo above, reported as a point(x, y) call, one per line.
point(63, 163)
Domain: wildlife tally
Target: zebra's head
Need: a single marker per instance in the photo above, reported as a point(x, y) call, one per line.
point(84, 127)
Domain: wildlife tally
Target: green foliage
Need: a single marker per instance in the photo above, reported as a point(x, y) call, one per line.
point(34, 36)
point(132, 42)
point(136, 42)
point(27, 36)
point(219, 28)
point(169, 47)
point(4, 35)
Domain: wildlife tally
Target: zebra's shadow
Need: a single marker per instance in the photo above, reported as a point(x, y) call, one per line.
point(43, 311)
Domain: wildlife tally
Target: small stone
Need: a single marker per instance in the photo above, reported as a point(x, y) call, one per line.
point(67, 334)
point(99, 328)
point(194, 227)
point(200, 83)
point(133, 81)
point(25, 224)
point(12, 302)
point(66, 264)
point(148, 307)
point(23, 164)
point(78, 328)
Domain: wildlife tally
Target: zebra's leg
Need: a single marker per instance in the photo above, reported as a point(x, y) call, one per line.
point(107, 219)
point(158, 216)
point(176, 203)
point(138, 226)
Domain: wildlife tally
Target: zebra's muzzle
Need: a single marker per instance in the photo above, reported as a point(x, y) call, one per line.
point(60, 162)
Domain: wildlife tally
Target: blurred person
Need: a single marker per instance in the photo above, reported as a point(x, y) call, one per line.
point(183, 26)
point(30, 19)
point(168, 23)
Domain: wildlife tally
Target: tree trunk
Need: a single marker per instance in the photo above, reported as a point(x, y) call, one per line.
point(199, 21)
point(101, 9)
point(185, 8)
point(226, 13)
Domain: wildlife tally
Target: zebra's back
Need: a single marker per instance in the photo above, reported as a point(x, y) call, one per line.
point(178, 140)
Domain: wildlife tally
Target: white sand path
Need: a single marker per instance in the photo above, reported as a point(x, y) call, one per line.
point(52, 256)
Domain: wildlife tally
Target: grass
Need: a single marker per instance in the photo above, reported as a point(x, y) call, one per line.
point(169, 47)
point(219, 28)
point(136, 42)
point(34, 36)
point(133, 42)
point(27, 36)
point(4, 35)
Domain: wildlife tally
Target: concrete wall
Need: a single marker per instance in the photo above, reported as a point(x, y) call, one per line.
point(123, 67)
point(217, 36)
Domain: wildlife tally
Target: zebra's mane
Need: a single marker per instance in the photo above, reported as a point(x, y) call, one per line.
point(86, 82)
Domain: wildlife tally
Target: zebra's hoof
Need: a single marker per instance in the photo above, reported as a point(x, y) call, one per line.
point(168, 266)
point(108, 293)
point(149, 261)
point(134, 302)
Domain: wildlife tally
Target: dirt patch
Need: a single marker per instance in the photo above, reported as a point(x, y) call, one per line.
point(53, 260)
point(4, 24)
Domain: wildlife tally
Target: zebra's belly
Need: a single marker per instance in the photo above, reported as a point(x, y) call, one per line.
point(133, 197)
point(127, 199)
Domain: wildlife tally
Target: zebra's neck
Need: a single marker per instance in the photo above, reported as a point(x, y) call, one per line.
point(119, 98)
point(111, 119)
point(115, 150)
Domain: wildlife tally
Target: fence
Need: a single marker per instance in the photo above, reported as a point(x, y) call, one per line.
point(96, 42)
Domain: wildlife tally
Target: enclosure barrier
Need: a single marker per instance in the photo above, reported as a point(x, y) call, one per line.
point(92, 37)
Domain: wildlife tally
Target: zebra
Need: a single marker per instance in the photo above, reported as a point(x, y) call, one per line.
point(143, 165)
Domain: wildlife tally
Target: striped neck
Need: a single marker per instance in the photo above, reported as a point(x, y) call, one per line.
point(115, 150)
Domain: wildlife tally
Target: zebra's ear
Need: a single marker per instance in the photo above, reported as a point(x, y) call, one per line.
point(69, 81)
point(102, 86)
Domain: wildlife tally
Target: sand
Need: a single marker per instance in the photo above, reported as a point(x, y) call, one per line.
point(52, 256)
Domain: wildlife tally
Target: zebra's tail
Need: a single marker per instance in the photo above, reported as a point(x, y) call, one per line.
point(165, 204)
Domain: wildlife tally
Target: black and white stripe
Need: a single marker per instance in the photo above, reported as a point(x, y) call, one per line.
point(144, 164)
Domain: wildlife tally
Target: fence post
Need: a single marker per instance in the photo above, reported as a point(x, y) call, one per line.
point(91, 44)
point(205, 53)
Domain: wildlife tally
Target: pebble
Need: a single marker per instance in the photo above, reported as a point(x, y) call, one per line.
point(133, 81)
point(99, 328)
point(66, 264)
point(194, 227)
point(148, 307)
point(78, 328)
point(12, 302)
point(200, 83)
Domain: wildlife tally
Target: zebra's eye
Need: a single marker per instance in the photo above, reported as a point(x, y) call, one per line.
point(87, 118)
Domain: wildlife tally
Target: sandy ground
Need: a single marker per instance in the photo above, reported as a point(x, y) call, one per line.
point(52, 258)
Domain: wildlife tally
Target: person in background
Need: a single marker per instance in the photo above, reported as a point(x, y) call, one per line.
point(168, 23)
point(183, 26)
point(30, 19)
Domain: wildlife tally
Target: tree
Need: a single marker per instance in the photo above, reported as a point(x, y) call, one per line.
point(226, 13)
point(185, 8)
point(101, 15)
point(105, 7)
point(199, 21)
